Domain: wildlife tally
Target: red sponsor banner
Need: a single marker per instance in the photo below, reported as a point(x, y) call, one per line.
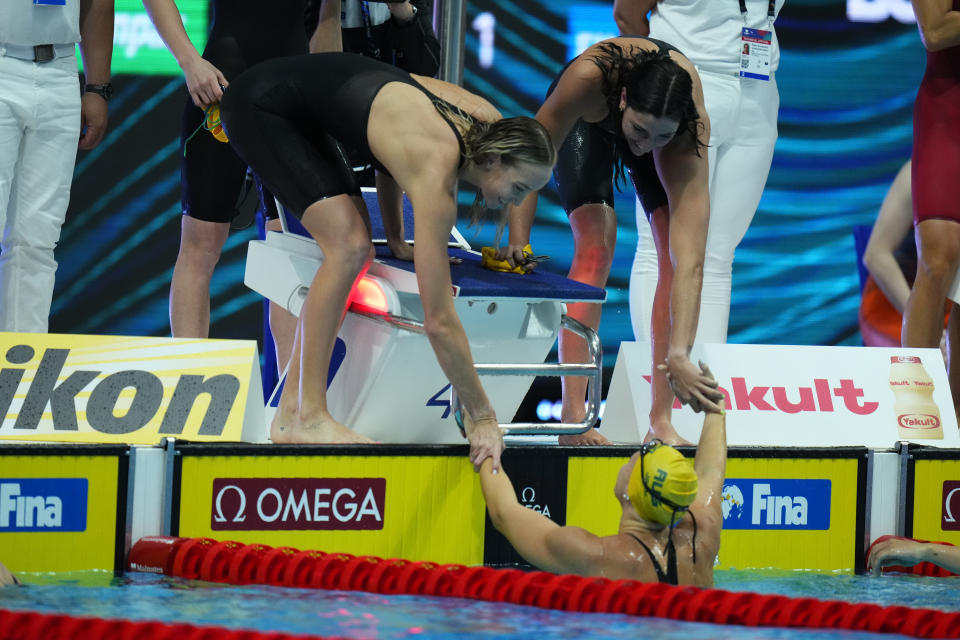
point(297, 504)
point(950, 516)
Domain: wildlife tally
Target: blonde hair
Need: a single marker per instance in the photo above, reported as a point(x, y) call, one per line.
point(514, 141)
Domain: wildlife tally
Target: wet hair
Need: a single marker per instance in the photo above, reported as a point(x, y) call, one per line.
point(514, 141)
point(655, 84)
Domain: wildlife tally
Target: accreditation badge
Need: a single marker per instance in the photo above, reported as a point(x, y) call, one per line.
point(755, 45)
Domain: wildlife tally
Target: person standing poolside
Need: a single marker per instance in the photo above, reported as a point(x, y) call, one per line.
point(636, 103)
point(669, 527)
point(243, 33)
point(43, 119)
point(716, 36)
point(287, 119)
point(935, 187)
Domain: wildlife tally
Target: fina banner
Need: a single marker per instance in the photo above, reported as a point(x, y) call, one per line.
point(800, 396)
point(130, 390)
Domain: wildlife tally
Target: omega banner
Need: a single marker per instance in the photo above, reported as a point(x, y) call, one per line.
point(112, 389)
point(801, 396)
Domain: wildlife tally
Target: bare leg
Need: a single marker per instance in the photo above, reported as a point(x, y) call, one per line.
point(594, 229)
point(938, 246)
point(953, 353)
point(200, 245)
point(303, 416)
point(661, 401)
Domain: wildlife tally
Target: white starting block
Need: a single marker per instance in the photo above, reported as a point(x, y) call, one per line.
point(384, 379)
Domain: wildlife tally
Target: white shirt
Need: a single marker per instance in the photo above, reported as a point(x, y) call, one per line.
point(25, 23)
point(708, 31)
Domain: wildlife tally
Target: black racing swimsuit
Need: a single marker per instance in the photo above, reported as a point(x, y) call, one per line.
point(244, 33)
point(585, 161)
point(291, 120)
point(670, 577)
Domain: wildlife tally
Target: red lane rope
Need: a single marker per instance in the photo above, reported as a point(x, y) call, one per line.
point(236, 563)
point(29, 625)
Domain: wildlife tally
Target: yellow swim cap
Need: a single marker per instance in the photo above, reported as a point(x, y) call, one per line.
point(662, 482)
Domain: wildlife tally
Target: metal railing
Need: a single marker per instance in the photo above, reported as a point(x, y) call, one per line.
point(592, 370)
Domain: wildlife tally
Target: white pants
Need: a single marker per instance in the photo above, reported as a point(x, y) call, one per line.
point(39, 130)
point(743, 132)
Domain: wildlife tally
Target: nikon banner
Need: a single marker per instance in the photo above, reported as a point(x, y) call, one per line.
point(112, 389)
point(799, 396)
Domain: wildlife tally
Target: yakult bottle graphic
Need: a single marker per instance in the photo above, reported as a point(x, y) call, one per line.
point(918, 416)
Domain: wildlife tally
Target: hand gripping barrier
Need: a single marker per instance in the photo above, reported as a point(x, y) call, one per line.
point(920, 569)
point(235, 563)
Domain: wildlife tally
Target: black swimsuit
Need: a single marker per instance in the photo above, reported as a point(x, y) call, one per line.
point(244, 33)
point(670, 577)
point(292, 119)
point(585, 161)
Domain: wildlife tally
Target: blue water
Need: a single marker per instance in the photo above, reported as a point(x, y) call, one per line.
point(363, 615)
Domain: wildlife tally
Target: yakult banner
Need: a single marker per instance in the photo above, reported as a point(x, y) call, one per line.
point(111, 389)
point(801, 396)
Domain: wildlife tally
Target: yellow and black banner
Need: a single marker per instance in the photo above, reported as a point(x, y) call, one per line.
point(63, 507)
point(932, 500)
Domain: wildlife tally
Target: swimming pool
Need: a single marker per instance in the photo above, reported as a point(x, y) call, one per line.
point(141, 596)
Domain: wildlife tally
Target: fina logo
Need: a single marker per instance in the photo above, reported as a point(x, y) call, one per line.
point(776, 504)
point(48, 504)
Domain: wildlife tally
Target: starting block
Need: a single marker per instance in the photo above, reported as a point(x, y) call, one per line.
point(384, 379)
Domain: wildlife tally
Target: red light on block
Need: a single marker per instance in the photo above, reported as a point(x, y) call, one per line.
point(368, 295)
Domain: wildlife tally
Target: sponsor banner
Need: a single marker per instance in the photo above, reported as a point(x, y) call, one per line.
point(297, 504)
point(130, 390)
point(750, 503)
point(391, 506)
point(936, 500)
point(58, 512)
point(784, 513)
point(43, 504)
point(800, 396)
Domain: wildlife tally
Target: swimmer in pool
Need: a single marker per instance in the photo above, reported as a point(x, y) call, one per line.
point(906, 553)
point(670, 526)
point(7, 578)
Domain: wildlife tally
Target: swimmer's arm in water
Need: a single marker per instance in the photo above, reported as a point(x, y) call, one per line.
point(7, 578)
point(538, 539)
point(435, 214)
point(204, 81)
point(910, 552)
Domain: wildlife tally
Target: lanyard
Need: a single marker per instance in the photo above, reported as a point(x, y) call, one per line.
point(367, 25)
point(771, 12)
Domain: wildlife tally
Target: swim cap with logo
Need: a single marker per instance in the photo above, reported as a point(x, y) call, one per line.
point(662, 484)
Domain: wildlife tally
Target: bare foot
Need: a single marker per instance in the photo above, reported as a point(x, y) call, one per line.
point(665, 432)
point(289, 428)
point(588, 438)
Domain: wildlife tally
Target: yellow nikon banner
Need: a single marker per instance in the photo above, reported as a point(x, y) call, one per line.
point(933, 495)
point(782, 509)
point(112, 389)
point(400, 503)
point(60, 505)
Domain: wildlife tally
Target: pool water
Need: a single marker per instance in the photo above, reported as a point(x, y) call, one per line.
point(140, 596)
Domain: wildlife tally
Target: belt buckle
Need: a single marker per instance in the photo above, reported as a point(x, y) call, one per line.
point(43, 53)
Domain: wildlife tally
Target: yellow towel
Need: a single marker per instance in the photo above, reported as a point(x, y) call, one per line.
point(488, 260)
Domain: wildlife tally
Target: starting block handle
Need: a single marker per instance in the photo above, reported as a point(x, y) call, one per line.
point(592, 370)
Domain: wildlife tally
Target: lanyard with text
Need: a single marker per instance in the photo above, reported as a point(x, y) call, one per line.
point(755, 45)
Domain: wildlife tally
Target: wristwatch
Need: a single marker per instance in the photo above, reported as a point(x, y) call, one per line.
point(105, 91)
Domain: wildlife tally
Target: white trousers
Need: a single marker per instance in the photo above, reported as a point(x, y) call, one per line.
point(39, 130)
point(743, 132)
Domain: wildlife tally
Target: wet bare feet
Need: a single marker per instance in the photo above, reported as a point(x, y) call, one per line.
point(592, 437)
point(289, 428)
